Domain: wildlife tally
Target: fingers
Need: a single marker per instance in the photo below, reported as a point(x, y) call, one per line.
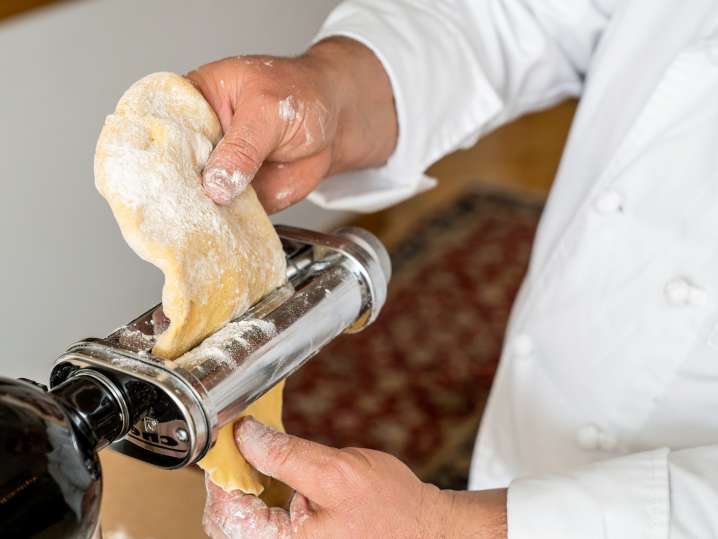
point(299, 512)
point(299, 463)
point(251, 137)
point(236, 514)
point(279, 185)
point(271, 110)
point(245, 99)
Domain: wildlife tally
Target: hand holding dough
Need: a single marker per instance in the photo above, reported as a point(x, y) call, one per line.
point(217, 261)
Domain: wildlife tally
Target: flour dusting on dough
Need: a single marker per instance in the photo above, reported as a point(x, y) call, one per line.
point(149, 163)
point(228, 342)
point(217, 260)
point(137, 171)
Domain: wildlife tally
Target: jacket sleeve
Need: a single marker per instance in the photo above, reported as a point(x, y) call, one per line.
point(651, 495)
point(458, 69)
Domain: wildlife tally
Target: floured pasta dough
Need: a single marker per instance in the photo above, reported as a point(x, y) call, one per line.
point(217, 261)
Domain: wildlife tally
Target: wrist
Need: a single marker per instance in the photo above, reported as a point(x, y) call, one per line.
point(476, 514)
point(357, 88)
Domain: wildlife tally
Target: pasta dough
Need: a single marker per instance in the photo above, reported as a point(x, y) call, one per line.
point(217, 261)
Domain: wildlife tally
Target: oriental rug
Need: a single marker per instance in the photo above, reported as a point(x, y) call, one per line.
point(415, 383)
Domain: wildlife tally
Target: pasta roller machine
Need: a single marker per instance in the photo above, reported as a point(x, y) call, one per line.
point(113, 391)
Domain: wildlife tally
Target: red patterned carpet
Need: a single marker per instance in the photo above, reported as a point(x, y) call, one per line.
point(415, 383)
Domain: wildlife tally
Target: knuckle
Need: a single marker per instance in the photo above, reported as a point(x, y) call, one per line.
point(202, 79)
point(280, 454)
point(269, 95)
point(350, 469)
point(242, 150)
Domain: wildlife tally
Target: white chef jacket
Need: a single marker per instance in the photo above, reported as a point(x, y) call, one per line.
point(603, 418)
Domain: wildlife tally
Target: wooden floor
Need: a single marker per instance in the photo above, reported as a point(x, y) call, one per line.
point(521, 157)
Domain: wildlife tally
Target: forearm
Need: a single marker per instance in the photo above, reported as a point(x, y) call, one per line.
point(355, 82)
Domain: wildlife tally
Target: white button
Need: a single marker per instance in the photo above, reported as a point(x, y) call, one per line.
point(590, 438)
point(522, 346)
point(608, 202)
point(679, 291)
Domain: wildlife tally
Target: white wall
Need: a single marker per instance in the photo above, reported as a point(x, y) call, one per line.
point(66, 273)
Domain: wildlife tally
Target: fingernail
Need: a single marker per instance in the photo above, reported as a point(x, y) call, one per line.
point(255, 440)
point(299, 512)
point(222, 186)
point(251, 431)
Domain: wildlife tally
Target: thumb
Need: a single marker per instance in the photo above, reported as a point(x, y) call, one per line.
point(237, 157)
point(296, 462)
